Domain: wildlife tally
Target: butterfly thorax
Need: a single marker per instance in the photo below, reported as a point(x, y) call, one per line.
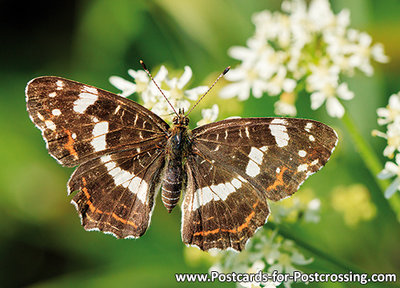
point(177, 148)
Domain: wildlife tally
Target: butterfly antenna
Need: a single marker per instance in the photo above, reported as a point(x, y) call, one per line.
point(208, 90)
point(152, 79)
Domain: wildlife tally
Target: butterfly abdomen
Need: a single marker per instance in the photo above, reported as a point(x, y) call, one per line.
point(172, 184)
point(177, 147)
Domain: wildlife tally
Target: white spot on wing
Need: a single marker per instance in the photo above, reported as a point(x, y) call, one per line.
point(280, 134)
point(52, 94)
point(84, 101)
point(264, 148)
point(214, 193)
point(311, 137)
point(99, 136)
point(73, 136)
point(278, 170)
point(315, 162)
point(302, 168)
point(117, 109)
point(279, 121)
point(40, 116)
point(252, 169)
point(308, 126)
point(50, 125)
point(302, 153)
point(235, 182)
point(128, 180)
point(90, 89)
point(256, 155)
point(247, 132)
point(60, 85)
point(56, 112)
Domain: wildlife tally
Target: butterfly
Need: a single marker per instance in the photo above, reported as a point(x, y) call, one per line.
point(227, 170)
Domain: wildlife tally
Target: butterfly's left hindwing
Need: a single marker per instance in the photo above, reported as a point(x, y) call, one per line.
point(117, 191)
point(119, 145)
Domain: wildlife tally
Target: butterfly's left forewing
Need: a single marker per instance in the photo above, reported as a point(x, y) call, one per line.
point(267, 158)
point(80, 122)
point(118, 145)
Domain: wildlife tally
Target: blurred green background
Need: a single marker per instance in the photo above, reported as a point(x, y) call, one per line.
point(41, 241)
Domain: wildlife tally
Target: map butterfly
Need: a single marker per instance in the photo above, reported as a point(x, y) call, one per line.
point(227, 170)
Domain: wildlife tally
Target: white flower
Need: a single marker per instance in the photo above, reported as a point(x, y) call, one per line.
point(127, 87)
point(257, 266)
point(285, 105)
point(330, 94)
point(392, 136)
point(320, 15)
point(391, 169)
point(311, 214)
point(391, 112)
point(176, 87)
point(246, 80)
point(309, 43)
point(362, 52)
point(279, 82)
point(173, 89)
point(142, 84)
point(283, 108)
point(287, 259)
point(209, 115)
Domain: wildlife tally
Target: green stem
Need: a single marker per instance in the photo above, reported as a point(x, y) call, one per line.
point(372, 162)
point(284, 232)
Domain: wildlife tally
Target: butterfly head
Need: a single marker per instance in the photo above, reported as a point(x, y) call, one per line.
point(181, 119)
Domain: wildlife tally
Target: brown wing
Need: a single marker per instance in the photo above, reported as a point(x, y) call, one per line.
point(275, 155)
point(220, 209)
point(117, 191)
point(118, 144)
point(80, 122)
point(265, 157)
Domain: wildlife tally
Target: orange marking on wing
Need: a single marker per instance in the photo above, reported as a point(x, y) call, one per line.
point(244, 225)
point(122, 220)
point(84, 189)
point(236, 230)
point(91, 206)
point(88, 202)
point(94, 209)
point(205, 233)
point(255, 204)
point(70, 144)
point(279, 179)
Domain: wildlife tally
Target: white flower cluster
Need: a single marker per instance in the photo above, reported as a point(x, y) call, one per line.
point(307, 47)
point(266, 252)
point(307, 210)
point(173, 89)
point(390, 116)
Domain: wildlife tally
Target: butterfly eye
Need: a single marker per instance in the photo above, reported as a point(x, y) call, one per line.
point(186, 121)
